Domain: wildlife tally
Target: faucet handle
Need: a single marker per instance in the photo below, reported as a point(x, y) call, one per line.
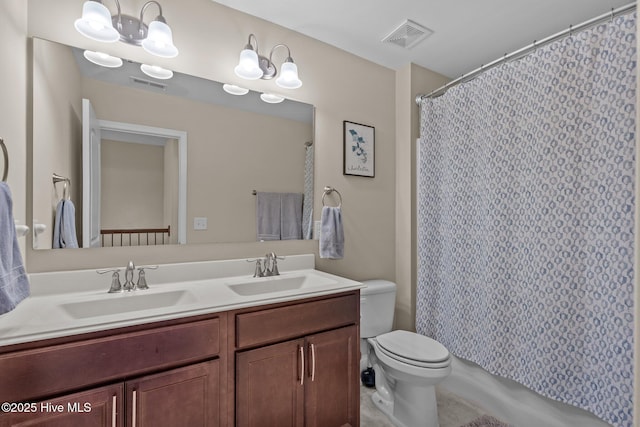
point(116, 285)
point(142, 281)
point(259, 271)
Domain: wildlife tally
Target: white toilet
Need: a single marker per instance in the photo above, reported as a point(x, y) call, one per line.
point(407, 365)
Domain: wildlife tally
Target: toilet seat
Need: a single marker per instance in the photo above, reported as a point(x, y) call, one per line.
point(414, 349)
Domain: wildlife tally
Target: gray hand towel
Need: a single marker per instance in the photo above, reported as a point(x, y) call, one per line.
point(331, 233)
point(291, 216)
point(14, 285)
point(268, 216)
point(64, 227)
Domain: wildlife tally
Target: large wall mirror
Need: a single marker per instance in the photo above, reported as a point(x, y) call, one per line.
point(179, 157)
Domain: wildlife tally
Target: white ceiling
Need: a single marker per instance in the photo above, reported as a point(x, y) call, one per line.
point(467, 33)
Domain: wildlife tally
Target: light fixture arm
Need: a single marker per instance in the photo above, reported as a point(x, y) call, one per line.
point(146, 5)
point(249, 45)
point(289, 59)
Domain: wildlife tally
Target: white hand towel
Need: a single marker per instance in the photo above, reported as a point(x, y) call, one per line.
point(64, 228)
point(331, 233)
point(14, 285)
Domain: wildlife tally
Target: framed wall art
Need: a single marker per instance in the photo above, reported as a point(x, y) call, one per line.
point(359, 149)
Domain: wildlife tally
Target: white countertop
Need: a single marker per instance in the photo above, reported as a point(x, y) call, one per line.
point(76, 302)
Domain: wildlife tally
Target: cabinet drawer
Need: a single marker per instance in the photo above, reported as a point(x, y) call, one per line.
point(281, 323)
point(55, 369)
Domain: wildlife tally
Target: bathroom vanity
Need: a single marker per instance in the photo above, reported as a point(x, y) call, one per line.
point(284, 357)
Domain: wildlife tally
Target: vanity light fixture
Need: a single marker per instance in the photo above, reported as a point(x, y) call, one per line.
point(253, 66)
point(156, 72)
point(271, 98)
point(234, 90)
point(103, 59)
point(97, 23)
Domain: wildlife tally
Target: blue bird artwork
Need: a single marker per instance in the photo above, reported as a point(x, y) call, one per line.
point(358, 148)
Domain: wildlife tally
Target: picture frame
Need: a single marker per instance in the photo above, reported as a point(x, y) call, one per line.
point(359, 149)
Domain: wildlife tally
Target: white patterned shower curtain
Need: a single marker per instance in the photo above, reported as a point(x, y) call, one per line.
point(525, 219)
point(307, 204)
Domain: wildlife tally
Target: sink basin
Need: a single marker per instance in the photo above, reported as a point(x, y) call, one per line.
point(123, 303)
point(269, 285)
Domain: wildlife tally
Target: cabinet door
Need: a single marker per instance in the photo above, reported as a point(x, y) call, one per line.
point(188, 396)
point(270, 385)
point(332, 387)
point(94, 408)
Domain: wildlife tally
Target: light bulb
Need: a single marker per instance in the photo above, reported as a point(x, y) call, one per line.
point(248, 67)
point(289, 76)
point(159, 40)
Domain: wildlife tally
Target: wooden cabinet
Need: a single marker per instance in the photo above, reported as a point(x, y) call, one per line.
point(94, 408)
point(178, 397)
point(187, 396)
point(286, 364)
point(167, 374)
point(332, 395)
point(269, 386)
point(307, 381)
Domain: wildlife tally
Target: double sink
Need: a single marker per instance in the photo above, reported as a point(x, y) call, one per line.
point(110, 304)
point(76, 301)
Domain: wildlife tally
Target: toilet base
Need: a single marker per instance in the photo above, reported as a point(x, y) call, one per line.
point(386, 407)
point(421, 412)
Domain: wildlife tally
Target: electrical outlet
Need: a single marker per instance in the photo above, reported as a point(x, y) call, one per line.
point(200, 223)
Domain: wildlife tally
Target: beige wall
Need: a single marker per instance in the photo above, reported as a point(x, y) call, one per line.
point(132, 185)
point(58, 137)
point(13, 105)
point(411, 80)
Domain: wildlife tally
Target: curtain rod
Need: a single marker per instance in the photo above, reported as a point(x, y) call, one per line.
point(525, 50)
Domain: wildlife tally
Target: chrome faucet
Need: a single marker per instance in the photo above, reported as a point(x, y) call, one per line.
point(128, 277)
point(117, 287)
point(271, 264)
point(266, 267)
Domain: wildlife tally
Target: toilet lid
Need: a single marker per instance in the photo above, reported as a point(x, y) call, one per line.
point(412, 346)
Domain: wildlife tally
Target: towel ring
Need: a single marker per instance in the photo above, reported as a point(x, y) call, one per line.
point(329, 190)
point(5, 171)
point(67, 183)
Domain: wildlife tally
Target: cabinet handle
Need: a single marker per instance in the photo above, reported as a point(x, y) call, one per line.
point(313, 362)
point(133, 409)
point(114, 411)
point(301, 349)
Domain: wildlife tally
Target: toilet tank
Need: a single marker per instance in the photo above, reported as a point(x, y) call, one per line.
point(377, 304)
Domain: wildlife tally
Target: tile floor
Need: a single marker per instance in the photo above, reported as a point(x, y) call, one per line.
point(452, 410)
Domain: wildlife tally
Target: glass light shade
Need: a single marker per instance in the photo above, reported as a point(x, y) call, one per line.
point(156, 72)
point(271, 98)
point(289, 76)
point(234, 90)
point(103, 59)
point(248, 67)
point(95, 23)
point(159, 40)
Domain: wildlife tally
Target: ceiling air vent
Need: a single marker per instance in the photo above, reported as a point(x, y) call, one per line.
point(408, 34)
point(149, 83)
